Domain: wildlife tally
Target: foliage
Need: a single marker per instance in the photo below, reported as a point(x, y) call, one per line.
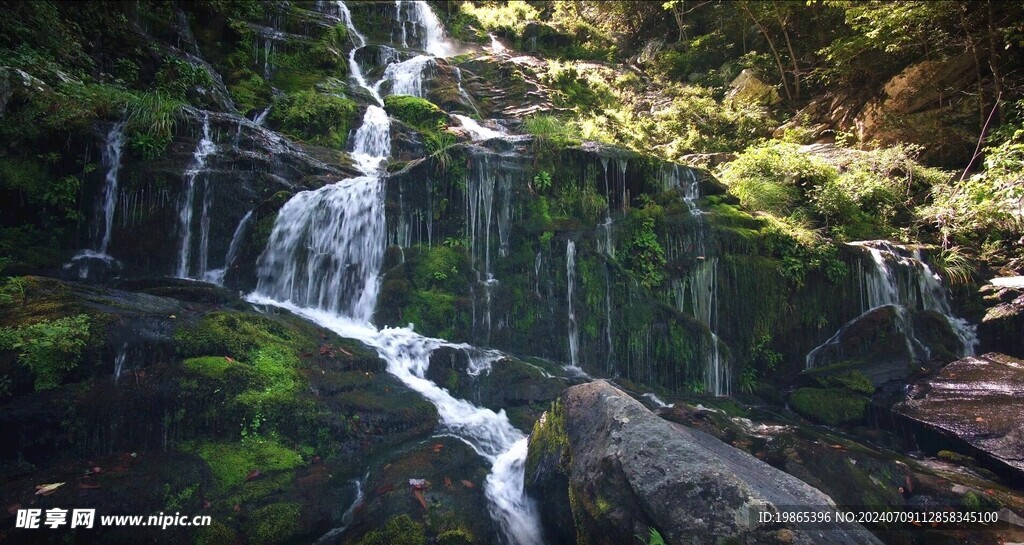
point(550, 131)
point(316, 117)
point(50, 348)
point(509, 18)
point(989, 204)
point(439, 145)
point(956, 266)
point(653, 537)
point(178, 77)
point(642, 253)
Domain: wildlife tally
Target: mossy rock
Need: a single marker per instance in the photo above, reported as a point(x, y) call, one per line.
point(315, 117)
point(231, 463)
point(399, 530)
point(831, 406)
point(415, 112)
point(274, 523)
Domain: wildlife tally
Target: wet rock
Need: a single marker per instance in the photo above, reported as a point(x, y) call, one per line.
point(625, 470)
point(972, 405)
point(1002, 328)
point(887, 344)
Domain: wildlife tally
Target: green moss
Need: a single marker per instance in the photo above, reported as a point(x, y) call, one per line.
point(829, 406)
point(230, 463)
point(214, 534)
point(209, 366)
point(855, 381)
point(400, 530)
point(441, 267)
point(455, 537)
point(315, 117)
point(549, 438)
point(274, 523)
point(238, 335)
point(415, 112)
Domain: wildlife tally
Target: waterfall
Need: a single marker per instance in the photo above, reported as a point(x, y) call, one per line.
point(346, 517)
point(112, 160)
point(216, 276)
point(570, 273)
point(326, 249)
point(323, 262)
point(204, 148)
point(204, 229)
point(372, 142)
point(406, 77)
point(898, 276)
point(427, 32)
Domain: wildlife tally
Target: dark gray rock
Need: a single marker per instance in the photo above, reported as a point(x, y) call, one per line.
point(625, 470)
point(1002, 328)
point(972, 405)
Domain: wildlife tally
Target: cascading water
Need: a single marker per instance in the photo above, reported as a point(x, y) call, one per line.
point(323, 261)
point(216, 276)
point(574, 333)
point(701, 282)
point(204, 148)
point(112, 160)
point(899, 277)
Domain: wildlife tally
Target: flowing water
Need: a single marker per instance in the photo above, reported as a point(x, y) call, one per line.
point(112, 160)
point(899, 277)
point(574, 333)
point(216, 276)
point(323, 262)
point(204, 148)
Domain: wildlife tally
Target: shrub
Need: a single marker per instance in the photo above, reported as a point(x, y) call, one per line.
point(49, 349)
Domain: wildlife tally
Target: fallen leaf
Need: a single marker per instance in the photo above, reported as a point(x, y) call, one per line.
point(448, 482)
point(467, 484)
point(838, 447)
point(420, 498)
point(343, 351)
point(438, 447)
point(206, 504)
point(252, 475)
point(88, 486)
point(229, 359)
point(96, 469)
point(384, 489)
point(237, 508)
point(13, 508)
point(47, 489)
point(979, 419)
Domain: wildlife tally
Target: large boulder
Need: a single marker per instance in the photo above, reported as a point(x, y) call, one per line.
point(1002, 328)
point(973, 406)
point(619, 471)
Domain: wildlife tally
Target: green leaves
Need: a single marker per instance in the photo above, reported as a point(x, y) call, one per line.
point(49, 349)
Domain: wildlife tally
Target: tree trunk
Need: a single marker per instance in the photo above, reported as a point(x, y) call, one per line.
point(775, 51)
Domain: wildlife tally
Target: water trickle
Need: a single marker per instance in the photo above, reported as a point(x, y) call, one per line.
point(204, 148)
point(112, 160)
point(262, 116)
point(216, 276)
point(119, 359)
point(347, 516)
point(570, 273)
